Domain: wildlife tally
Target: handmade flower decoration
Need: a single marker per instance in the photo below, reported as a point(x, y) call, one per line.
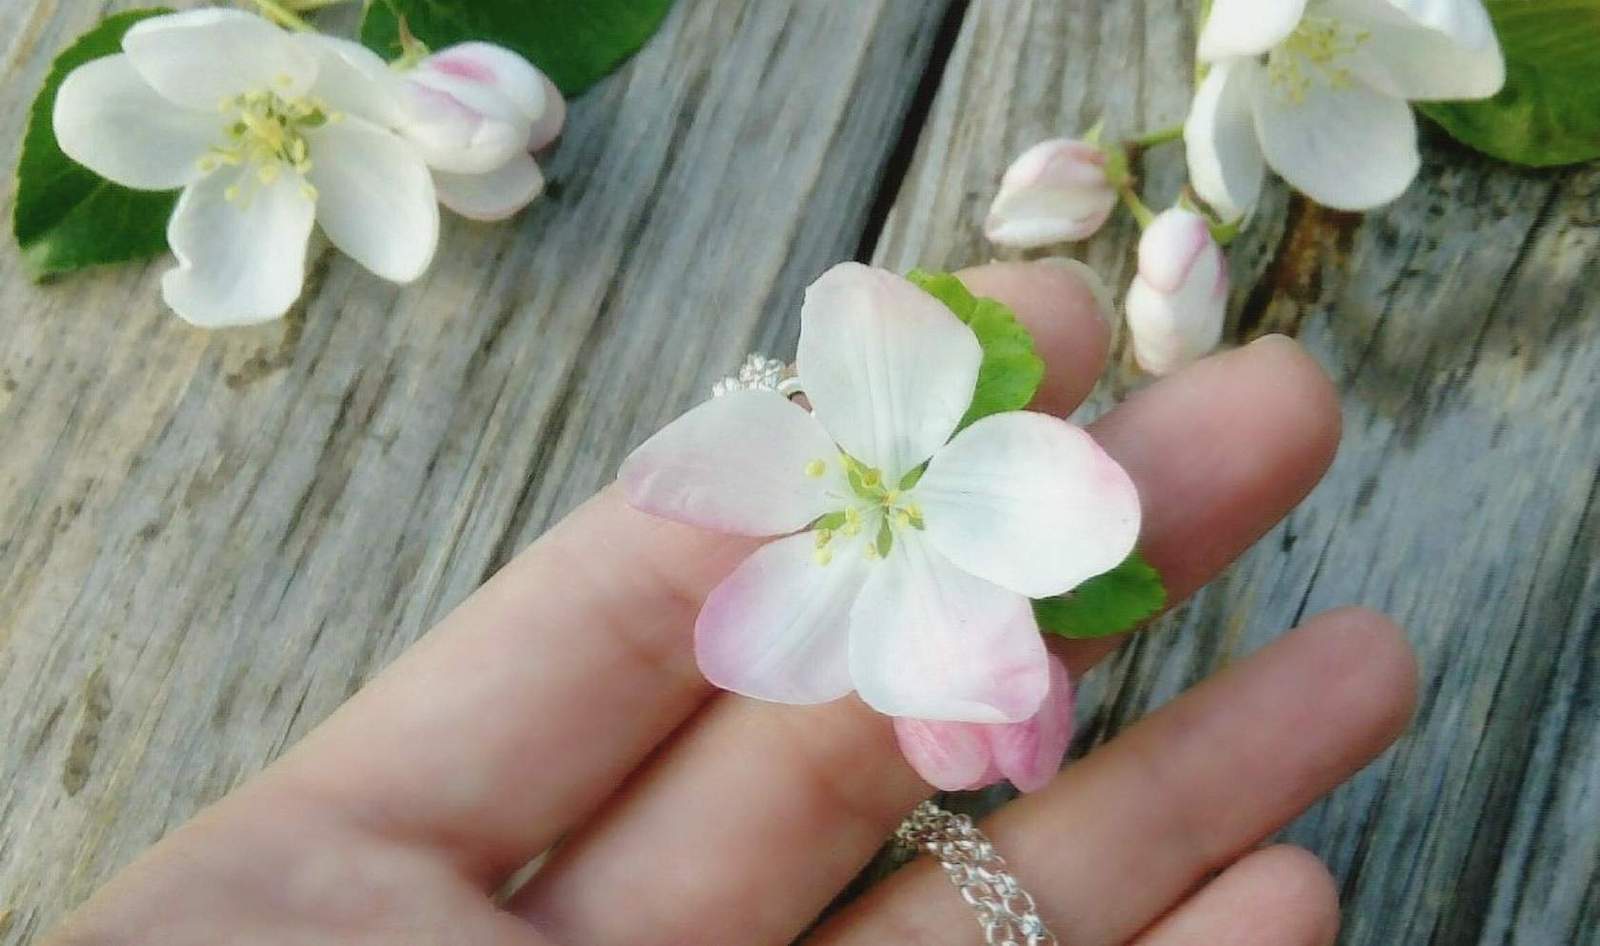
point(1178, 300)
point(476, 112)
point(908, 544)
point(1318, 91)
point(1054, 192)
point(266, 132)
point(955, 757)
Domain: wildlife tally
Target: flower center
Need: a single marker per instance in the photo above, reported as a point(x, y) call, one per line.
point(1314, 49)
point(873, 510)
point(266, 132)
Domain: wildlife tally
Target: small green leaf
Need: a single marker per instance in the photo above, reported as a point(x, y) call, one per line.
point(1549, 111)
point(67, 217)
point(1105, 604)
point(576, 42)
point(1011, 370)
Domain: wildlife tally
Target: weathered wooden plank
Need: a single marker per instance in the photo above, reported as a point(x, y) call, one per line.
point(207, 541)
point(1463, 327)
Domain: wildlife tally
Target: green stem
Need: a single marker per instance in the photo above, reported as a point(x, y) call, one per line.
point(1158, 137)
point(1140, 210)
point(284, 16)
point(310, 6)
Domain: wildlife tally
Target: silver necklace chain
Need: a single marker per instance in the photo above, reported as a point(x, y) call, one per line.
point(1005, 911)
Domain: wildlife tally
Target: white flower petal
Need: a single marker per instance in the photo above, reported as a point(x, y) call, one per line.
point(242, 260)
point(494, 195)
point(353, 79)
point(1029, 502)
point(108, 120)
point(1247, 27)
point(201, 57)
point(1053, 192)
point(1225, 162)
point(453, 135)
point(1344, 145)
point(929, 641)
point(888, 369)
point(1424, 49)
point(777, 628)
point(738, 464)
point(491, 76)
point(375, 198)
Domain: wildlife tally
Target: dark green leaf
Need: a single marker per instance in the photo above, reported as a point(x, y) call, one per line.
point(1105, 604)
point(1011, 369)
point(66, 216)
point(1549, 111)
point(575, 42)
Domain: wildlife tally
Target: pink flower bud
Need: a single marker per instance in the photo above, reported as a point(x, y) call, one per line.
point(1055, 192)
point(472, 107)
point(1179, 299)
point(958, 756)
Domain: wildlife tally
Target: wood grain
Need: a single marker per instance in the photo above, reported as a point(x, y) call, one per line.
point(209, 540)
point(1462, 325)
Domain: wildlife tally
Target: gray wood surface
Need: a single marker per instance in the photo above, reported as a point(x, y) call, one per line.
point(207, 541)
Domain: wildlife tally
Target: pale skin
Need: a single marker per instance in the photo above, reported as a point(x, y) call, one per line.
point(561, 703)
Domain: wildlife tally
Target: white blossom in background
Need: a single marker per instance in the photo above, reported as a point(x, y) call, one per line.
point(1178, 301)
point(266, 132)
point(1055, 192)
point(477, 111)
point(1317, 90)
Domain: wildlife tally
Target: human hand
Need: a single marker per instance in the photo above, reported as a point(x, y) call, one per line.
point(562, 702)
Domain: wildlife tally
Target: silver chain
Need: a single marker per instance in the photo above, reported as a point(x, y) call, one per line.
point(1005, 911)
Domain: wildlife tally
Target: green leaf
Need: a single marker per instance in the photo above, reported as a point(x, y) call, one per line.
point(1549, 111)
point(1105, 604)
point(66, 216)
point(576, 42)
point(1011, 369)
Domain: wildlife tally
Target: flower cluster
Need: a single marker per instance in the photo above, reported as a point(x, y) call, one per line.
point(1316, 90)
point(270, 132)
point(907, 547)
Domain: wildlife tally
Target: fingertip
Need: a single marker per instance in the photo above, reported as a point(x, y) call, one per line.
point(1376, 666)
point(1297, 889)
point(1067, 308)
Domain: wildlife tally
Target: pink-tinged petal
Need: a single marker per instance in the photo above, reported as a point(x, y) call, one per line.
point(740, 463)
point(1247, 27)
point(778, 628)
point(1056, 191)
point(929, 641)
point(471, 106)
point(1030, 753)
point(1423, 49)
point(888, 369)
point(1171, 247)
point(493, 195)
point(1225, 162)
point(547, 127)
point(454, 135)
point(200, 57)
point(1029, 502)
point(107, 119)
point(1178, 316)
point(951, 757)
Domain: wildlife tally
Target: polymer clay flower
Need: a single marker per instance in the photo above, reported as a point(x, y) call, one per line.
point(1318, 91)
point(905, 557)
point(955, 757)
point(1054, 192)
point(266, 132)
point(1178, 300)
point(476, 112)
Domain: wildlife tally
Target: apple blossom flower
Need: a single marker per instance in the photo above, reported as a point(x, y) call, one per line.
point(476, 111)
point(1318, 91)
point(266, 132)
point(1055, 192)
point(906, 557)
point(1179, 297)
point(955, 757)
